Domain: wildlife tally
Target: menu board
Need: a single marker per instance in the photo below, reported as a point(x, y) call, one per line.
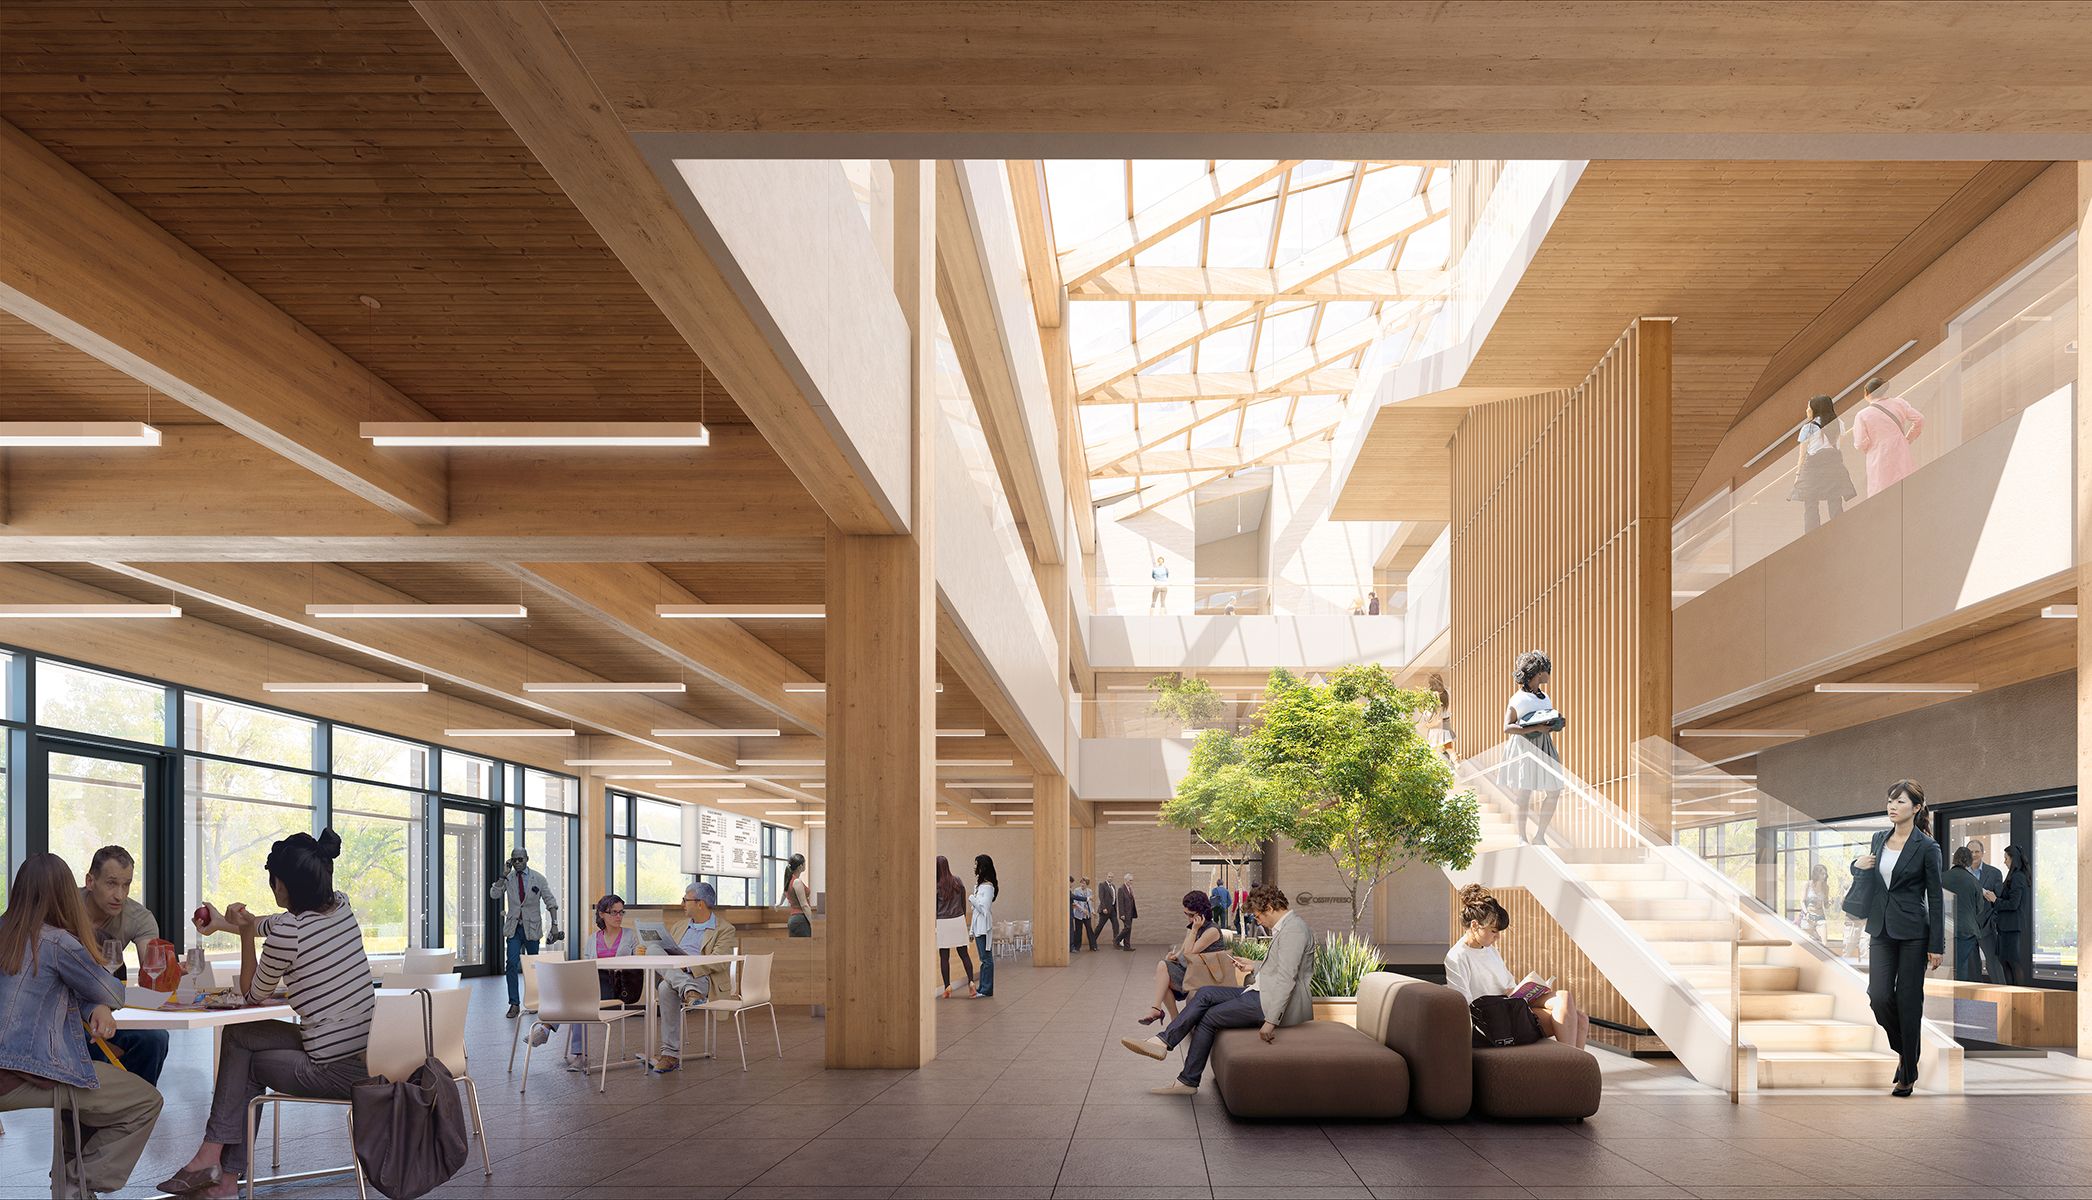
point(721, 843)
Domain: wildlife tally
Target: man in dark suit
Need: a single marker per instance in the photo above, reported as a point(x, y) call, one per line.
point(1975, 926)
point(1128, 910)
point(1107, 910)
point(1983, 964)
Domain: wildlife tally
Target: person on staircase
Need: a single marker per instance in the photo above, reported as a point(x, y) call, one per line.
point(1898, 882)
point(1475, 968)
point(1531, 763)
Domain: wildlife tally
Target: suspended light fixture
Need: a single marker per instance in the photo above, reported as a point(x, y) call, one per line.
point(508, 733)
point(598, 686)
point(962, 733)
point(1886, 688)
point(733, 733)
point(618, 762)
point(416, 610)
point(345, 687)
point(731, 611)
point(89, 610)
point(536, 433)
point(78, 433)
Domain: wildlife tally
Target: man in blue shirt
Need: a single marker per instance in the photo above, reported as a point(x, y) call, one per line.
point(1158, 597)
point(702, 932)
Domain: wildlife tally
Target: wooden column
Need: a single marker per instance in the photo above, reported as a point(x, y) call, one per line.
point(1651, 441)
point(1049, 870)
point(882, 721)
point(2084, 590)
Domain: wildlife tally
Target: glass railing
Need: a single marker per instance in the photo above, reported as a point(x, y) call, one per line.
point(1137, 714)
point(1237, 596)
point(1553, 807)
point(2012, 350)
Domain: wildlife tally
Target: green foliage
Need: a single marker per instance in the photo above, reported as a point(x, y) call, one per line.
point(1222, 802)
point(1186, 701)
point(1359, 786)
point(1251, 949)
point(1341, 962)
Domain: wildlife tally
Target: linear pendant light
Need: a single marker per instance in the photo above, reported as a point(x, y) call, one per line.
point(962, 733)
point(703, 787)
point(416, 610)
point(618, 762)
point(2048, 610)
point(89, 610)
point(78, 433)
point(1744, 733)
point(536, 433)
point(729, 611)
point(1885, 688)
point(345, 687)
point(732, 733)
point(508, 733)
point(598, 686)
point(820, 688)
point(780, 762)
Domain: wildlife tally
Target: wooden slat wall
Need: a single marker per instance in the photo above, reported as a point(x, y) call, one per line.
point(1535, 942)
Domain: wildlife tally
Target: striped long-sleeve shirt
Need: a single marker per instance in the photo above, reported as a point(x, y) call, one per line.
point(321, 955)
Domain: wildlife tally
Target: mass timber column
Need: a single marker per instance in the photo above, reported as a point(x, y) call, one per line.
point(1049, 793)
point(1562, 542)
point(882, 720)
point(2084, 589)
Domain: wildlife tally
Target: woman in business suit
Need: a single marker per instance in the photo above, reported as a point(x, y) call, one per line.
point(2012, 916)
point(1906, 920)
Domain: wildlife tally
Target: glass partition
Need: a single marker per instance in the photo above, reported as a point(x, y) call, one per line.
point(75, 698)
point(381, 845)
point(2055, 934)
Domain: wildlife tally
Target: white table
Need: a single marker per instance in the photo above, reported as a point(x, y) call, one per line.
point(652, 963)
point(215, 1020)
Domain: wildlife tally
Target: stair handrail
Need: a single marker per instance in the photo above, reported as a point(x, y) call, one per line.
point(1737, 945)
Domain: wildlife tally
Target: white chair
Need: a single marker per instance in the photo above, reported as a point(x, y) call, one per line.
point(754, 993)
point(428, 962)
point(568, 994)
point(1024, 937)
point(403, 1028)
point(435, 983)
point(530, 1001)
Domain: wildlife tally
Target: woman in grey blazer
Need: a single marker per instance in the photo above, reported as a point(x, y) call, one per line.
point(1898, 881)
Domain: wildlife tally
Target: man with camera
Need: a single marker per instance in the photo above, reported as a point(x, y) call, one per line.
point(521, 890)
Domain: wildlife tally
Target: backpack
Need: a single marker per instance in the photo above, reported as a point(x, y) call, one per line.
point(1503, 1021)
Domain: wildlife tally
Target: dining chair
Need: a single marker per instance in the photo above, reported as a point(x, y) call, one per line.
point(568, 994)
point(754, 993)
point(530, 1002)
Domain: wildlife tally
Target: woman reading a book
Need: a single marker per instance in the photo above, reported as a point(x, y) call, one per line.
point(1531, 765)
point(1475, 969)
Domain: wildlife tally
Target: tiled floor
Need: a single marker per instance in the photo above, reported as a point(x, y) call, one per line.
point(1032, 1096)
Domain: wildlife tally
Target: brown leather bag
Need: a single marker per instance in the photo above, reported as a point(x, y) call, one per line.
point(1214, 968)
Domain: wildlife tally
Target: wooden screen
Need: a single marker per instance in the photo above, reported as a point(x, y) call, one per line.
point(1562, 542)
point(1535, 942)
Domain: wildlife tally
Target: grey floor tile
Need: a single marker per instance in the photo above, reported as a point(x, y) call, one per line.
point(1129, 1163)
point(844, 1192)
point(916, 1192)
point(1137, 1121)
point(1292, 1193)
point(646, 1193)
point(1008, 1121)
point(898, 1121)
point(724, 1164)
point(1092, 1192)
point(1451, 1193)
point(1711, 1192)
point(1701, 1161)
point(1012, 1090)
point(992, 1163)
point(1269, 1163)
point(1534, 1164)
point(840, 1163)
point(1449, 1164)
point(770, 1120)
point(1662, 1192)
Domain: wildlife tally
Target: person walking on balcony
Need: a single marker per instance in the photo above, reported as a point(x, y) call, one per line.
point(1372, 604)
point(1821, 477)
point(1531, 764)
point(1883, 429)
point(1897, 885)
point(1158, 595)
point(1975, 924)
point(2013, 901)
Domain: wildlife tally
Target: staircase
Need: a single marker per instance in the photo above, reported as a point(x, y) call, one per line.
point(1657, 921)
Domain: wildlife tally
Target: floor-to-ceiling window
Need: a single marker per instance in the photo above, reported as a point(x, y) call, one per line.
point(199, 786)
point(645, 852)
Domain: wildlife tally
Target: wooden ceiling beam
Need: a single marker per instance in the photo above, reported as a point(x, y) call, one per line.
point(83, 266)
point(1267, 450)
point(1224, 385)
point(209, 492)
point(518, 58)
point(460, 652)
point(965, 662)
point(622, 596)
point(1152, 348)
point(1042, 267)
point(1132, 282)
point(1231, 180)
point(1331, 257)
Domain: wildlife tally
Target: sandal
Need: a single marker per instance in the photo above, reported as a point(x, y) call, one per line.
point(187, 1180)
point(1154, 1014)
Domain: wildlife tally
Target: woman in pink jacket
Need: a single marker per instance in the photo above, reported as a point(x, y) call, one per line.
point(1883, 428)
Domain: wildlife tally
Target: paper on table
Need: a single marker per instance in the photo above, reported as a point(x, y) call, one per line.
point(138, 997)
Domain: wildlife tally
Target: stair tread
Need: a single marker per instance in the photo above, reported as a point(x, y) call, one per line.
point(1820, 1055)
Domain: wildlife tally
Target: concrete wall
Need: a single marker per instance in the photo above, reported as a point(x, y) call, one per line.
point(1237, 557)
point(2016, 739)
point(1316, 565)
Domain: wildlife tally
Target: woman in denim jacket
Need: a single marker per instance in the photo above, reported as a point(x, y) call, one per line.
point(50, 971)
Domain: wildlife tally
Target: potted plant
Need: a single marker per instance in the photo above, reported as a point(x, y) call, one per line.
point(1192, 703)
point(1340, 962)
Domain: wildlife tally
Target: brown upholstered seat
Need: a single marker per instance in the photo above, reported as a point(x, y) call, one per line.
point(1428, 1026)
point(1316, 1070)
point(1544, 1079)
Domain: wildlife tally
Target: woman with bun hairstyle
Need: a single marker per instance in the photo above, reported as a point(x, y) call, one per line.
point(1475, 969)
point(1531, 763)
point(799, 898)
point(315, 948)
point(1899, 877)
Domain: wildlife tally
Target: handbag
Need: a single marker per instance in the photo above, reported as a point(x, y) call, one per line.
point(1503, 1021)
point(1214, 968)
point(410, 1136)
point(1859, 898)
point(627, 987)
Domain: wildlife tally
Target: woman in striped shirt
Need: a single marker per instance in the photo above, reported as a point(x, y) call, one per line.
point(315, 947)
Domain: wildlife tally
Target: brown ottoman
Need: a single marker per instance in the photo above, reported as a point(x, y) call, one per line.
point(1317, 1070)
point(1542, 1079)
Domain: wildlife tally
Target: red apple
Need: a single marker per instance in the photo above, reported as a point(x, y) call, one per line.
point(202, 915)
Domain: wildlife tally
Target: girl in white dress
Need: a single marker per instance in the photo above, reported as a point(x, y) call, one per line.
point(1531, 763)
point(1475, 969)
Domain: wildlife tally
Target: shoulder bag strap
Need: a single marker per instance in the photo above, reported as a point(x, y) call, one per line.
point(1900, 426)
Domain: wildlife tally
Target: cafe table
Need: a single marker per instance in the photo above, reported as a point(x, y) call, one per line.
point(652, 964)
point(213, 1019)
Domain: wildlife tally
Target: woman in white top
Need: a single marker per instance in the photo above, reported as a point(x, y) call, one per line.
point(610, 940)
point(983, 927)
point(1475, 969)
point(1820, 476)
point(1531, 763)
point(1080, 899)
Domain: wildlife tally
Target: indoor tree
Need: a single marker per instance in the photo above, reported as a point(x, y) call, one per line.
point(1189, 702)
point(1358, 785)
point(1221, 802)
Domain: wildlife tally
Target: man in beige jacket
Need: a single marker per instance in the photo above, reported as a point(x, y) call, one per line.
point(701, 931)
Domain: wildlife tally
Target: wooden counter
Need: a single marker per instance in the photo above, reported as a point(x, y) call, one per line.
point(799, 970)
point(2026, 1016)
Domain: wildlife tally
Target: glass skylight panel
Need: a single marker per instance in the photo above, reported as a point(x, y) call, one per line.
point(1088, 196)
point(1283, 335)
point(1382, 190)
point(1157, 179)
point(1176, 364)
point(1180, 249)
point(1227, 350)
point(1427, 248)
point(1153, 315)
point(1155, 411)
point(1242, 237)
point(1343, 314)
point(1095, 329)
point(1103, 422)
point(1264, 417)
point(1322, 210)
point(1308, 406)
point(1220, 431)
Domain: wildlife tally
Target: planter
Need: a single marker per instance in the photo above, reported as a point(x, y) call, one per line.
point(1341, 1009)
